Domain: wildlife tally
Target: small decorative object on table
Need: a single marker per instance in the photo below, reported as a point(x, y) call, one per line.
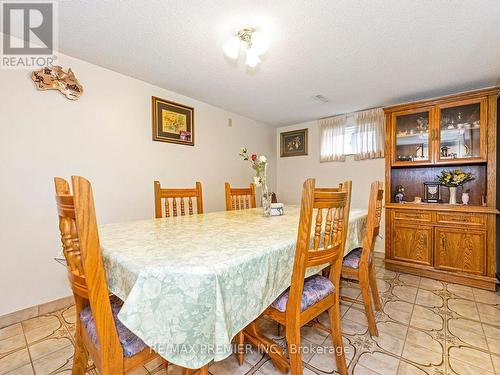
point(277, 209)
point(400, 194)
point(454, 179)
point(259, 165)
point(432, 192)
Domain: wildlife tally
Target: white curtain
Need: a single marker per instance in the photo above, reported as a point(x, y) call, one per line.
point(332, 133)
point(369, 136)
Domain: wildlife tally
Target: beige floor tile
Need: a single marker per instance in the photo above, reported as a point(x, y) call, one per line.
point(463, 368)
point(496, 363)
point(357, 315)
point(405, 293)
point(431, 284)
point(361, 370)
point(69, 315)
point(390, 343)
point(422, 355)
point(229, 366)
point(410, 279)
point(461, 291)
point(14, 360)
point(46, 347)
point(485, 296)
point(24, 370)
point(352, 328)
point(426, 319)
point(383, 286)
point(469, 332)
point(489, 314)
point(492, 338)
point(381, 363)
point(12, 343)
point(428, 299)
point(399, 311)
point(13, 330)
point(410, 369)
point(470, 356)
point(385, 274)
point(464, 308)
point(325, 360)
point(417, 340)
point(56, 360)
point(316, 336)
point(41, 321)
point(396, 330)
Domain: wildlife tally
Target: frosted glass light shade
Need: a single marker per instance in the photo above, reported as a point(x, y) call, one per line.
point(260, 44)
point(252, 58)
point(232, 47)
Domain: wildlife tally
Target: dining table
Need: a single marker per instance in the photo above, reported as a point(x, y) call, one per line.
point(189, 284)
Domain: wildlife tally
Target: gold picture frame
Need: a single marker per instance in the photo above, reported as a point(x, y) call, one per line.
point(293, 143)
point(172, 122)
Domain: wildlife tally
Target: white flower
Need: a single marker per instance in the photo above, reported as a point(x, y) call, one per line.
point(257, 181)
point(243, 150)
point(262, 159)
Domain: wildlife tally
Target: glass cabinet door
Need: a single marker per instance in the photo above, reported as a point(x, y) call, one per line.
point(411, 131)
point(462, 132)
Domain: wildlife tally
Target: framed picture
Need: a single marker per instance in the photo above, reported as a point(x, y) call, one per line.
point(293, 143)
point(172, 122)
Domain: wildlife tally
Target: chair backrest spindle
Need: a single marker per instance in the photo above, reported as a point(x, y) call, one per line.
point(170, 197)
point(239, 198)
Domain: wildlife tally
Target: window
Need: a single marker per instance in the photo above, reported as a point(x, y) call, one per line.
point(361, 135)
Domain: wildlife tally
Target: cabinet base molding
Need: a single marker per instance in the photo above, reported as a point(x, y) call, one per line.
point(475, 281)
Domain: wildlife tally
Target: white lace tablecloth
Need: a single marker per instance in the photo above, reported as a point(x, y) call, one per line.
point(191, 283)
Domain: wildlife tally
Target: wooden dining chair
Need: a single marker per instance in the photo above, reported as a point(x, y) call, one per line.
point(359, 266)
point(111, 346)
point(171, 196)
point(306, 299)
point(239, 198)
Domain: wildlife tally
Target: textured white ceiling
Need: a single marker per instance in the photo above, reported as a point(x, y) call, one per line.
point(358, 54)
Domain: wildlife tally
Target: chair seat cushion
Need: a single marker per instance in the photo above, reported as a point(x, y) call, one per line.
point(351, 260)
point(316, 288)
point(131, 343)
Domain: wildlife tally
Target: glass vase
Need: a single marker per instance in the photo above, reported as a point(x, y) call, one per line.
point(266, 196)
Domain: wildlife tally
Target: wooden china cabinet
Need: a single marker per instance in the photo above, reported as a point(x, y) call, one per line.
point(453, 243)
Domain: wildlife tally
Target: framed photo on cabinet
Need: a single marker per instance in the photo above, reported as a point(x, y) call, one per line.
point(172, 122)
point(293, 143)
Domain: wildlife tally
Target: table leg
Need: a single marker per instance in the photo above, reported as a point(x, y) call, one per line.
point(201, 371)
point(273, 350)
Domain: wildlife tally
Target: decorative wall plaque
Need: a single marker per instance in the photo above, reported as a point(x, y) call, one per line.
point(55, 78)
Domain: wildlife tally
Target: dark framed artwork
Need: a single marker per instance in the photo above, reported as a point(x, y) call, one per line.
point(172, 122)
point(293, 143)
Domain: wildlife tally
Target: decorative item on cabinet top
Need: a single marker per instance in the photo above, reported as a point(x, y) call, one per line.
point(55, 78)
point(172, 122)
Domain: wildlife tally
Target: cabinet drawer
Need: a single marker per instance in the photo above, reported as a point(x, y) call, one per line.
point(413, 215)
point(461, 218)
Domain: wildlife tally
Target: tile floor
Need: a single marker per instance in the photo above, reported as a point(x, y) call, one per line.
point(425, 326)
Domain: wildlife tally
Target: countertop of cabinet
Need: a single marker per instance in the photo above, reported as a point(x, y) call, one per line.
point(443, 207)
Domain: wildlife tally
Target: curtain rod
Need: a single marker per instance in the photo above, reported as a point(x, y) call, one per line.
point(350, 114)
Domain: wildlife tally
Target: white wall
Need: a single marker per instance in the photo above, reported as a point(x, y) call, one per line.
point(105, 136)
point(293, 171)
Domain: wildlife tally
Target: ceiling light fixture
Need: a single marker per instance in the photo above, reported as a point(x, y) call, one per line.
point(254, 42)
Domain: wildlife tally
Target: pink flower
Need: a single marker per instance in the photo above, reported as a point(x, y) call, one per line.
point(253, 157)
